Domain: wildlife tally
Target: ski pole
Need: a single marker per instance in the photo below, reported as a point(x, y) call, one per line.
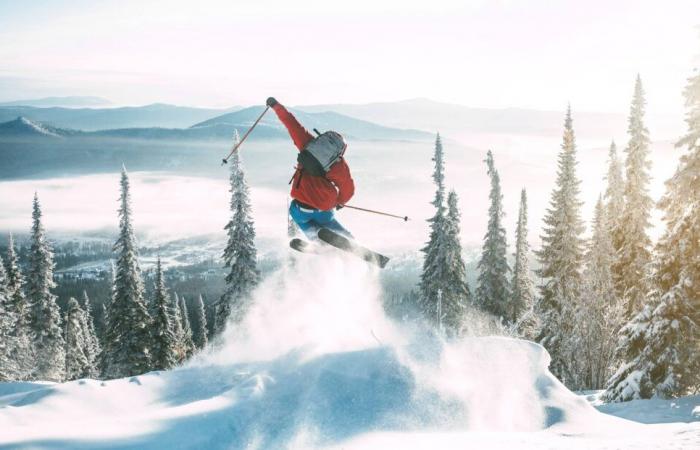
point(235, 147)
point(404, 218)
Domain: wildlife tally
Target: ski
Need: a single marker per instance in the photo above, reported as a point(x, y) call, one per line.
point(345, 244)
point(302, 246)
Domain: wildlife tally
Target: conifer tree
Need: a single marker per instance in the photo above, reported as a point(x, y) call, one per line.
point(598, 312)
point(23, 349)
point(521, 311)
point(632, 241)
point(200, 332)
point(670, 357)
point(240, 255)
point(105, 321)
point(614, 197)
point(178, 330)
point(627, 382)
point(8, 366)
point(678, 250)
point(678, 264)
point(165, 345)
point(561, 257)
point(45, 316)
point(433, 274)
point(455, 296)
point(493, 292)
point(77, 350)
point(187, 344)
point(127, 334)
point(93, 343)
point(668, 364)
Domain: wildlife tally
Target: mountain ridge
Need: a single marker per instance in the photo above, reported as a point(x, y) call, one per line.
point(94, 119)
point(220, 127)
point(429, 115)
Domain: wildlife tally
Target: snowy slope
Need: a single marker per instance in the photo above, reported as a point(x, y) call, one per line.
point(317, 365)
point(24, 127)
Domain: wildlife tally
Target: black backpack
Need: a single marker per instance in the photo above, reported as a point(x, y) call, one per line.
point(319, 155)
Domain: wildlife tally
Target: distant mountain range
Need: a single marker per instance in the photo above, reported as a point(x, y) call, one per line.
point(92, 119)
point(66, 102)
point(409, 119)
point(429, 115)
point(270, 126)
point(219, 128)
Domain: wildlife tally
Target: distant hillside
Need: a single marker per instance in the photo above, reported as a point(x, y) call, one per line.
point(220, 128)
point(428, 115)
point(65, 102)
point(92, 119)
point(23, 127)
point(270, 126)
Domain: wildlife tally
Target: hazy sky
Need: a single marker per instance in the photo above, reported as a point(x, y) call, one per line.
point(534, 53)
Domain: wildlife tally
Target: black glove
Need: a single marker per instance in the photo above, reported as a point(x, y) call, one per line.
point(338, 207)
point(271, 102)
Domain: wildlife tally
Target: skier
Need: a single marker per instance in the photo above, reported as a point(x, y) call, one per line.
point(316, 196)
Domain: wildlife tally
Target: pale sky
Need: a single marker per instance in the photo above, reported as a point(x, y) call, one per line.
point(531, 54)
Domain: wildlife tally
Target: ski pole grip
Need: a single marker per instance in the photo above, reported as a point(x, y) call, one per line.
point(317, 132)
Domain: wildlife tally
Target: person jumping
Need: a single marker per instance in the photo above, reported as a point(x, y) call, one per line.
point(321, 182)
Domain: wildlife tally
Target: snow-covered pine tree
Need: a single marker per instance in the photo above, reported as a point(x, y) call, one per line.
point(672, 353)
point(45, 316)
point(669, 360)
point(187, 344)
point(165, 345)
point(522, 304)
point(561, 257)
point(598, 312)
point(8, 366)
point(77, 351)
point(632, 241)
point(93, 343)
point(455, 295)
point(127, 334)
point(105, 321)
point(433, 275)
point(200, 331)
point(178, 331)
point(493, 291)
point(240, 255)
point(23, 350)
point(614, 199)
point(628, 382)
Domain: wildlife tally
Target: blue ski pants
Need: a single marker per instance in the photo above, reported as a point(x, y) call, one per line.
point(312, 220)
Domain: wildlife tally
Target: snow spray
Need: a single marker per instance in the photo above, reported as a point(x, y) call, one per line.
point(328, 308)
point(314, 305)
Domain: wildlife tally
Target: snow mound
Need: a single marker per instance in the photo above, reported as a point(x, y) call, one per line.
point(316, 364)
point(484, 384)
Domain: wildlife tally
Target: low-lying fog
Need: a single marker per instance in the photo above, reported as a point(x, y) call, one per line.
point(395, 177)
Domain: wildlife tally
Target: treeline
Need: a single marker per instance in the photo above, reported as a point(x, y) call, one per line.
point(37, 342)
point(69, 254)
point(614, 311)
point(141, 330)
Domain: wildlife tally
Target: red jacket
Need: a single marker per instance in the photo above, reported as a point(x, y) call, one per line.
point(323, 193)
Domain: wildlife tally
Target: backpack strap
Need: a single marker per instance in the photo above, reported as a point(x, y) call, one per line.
point(298, 170)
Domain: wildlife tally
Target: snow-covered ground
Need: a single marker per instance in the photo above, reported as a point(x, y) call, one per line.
point(317, 365)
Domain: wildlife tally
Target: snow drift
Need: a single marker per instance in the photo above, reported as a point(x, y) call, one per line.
point(316, 364)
